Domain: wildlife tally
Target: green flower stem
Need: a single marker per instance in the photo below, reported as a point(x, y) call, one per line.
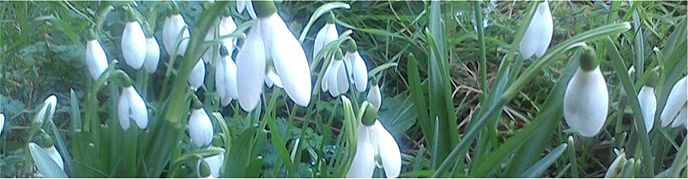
point(483, 57)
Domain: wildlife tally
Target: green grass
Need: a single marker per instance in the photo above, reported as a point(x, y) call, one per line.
point(459, 101)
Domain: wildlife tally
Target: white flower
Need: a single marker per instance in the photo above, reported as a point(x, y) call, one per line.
point(585, 102)
point(334, 79)
point(288, 57)
point(175, 32)
point(228, 26)
point(215, 162)
point(134, 45)
point(251, 69)
point(375, 141)
point(197, 75)
point(132, 106)
point(327, 34)
point(55, 155)
point(152, 55)
point(51, 102)
point(96, 60)
point(225, 80)
point(270, 37)
point(648, 105)
point(357, 70)
point(2, 122)
point(539, 33)
point(200, 128)
point(677, 99)
point(374, 96)
point(615, 169)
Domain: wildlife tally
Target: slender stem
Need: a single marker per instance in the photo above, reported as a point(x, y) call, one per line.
point(481, 39)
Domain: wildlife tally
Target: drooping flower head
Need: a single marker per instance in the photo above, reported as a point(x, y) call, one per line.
point(225, 78)
point(648, 102)
point(675, 106)
point(374, 140)
point(586, 99)
point(200, 127)
point(133, 41)
point(334, 79)
point(269, 38)
point(175, 33)
point(96, 60)
point(327, 34)
point(197, 75)
point(539, 33)
point(356, 67)
point(131, 105)
point(374, 95)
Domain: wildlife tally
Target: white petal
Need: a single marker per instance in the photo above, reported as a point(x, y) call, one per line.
point(55, 155)
point(175, 32)
point(363, 164)
point(324, 87)
point(213, 52)
point(251, 69)
point(51, 102)
point(348, 62)
point(228, 26)
point(388, 150)
point(273, 78)
point(617, 165)
point(648, 105)
point(124, 109)
point(586, 101)
point(340, 78)
point(2, 122)
point(676, 100)
point(134, 45)
point(288, 57)
point(360, 73)
point(152, 55)
point(680, 118)
point(374, 97)
point(327, 34)
point(241, 5)
point(139, 111)
point(95, 59)
point(539, 33)
point(215, 162)
point(200, 128)
point(231, 79)
point(221, 83)
point(251, 11)
point(332, 78)
point(197, 75)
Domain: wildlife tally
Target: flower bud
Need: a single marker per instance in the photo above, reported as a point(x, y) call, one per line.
point(96, 60)
point(538, 35)
point(47, 110)
point(134, 44)
point(197, 76)
point(152, 55)
point(586, 100)
point(648, 105)
point(675, 101)
point(200, 128)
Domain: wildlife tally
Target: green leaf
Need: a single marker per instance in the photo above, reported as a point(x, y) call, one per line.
point(544, 163)
point(45, 164)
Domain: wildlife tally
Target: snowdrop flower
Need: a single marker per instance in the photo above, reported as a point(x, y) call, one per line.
point(96, 60)
point(200, 127)
point(132, 106)
point(356, 67)
point(55, 155)
point(539, 33)
point(175, 32)
point(374, 96)
point(270, 37)
point(615, 169)
point(648, 104)
point(152, 54)
point(2, 122)
point(327, 34)
point(226, 27)
point(586, 98)
point(197, 75)
point(225, 78)
point(50, 102)
point(374, 140)
point(675, 103)
point(215, 163)
point(334, 79)
point(133, 42)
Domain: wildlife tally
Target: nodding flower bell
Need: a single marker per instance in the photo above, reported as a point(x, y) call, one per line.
point(226, 27)
point(270, 37)
point(675, 107)
point(648, 103)
point(327, 34)
point(225, 78)
point(214, 163)
point(175, 32)
point(133, 42)
point(197, 76)
point(200, 127)
point(586, 99)
point(96, 60)
point(356, 67)
point(152, 54)
point(2, 122)
point(334, 79)
point(44, 113)
point(374, 141)
point(539, 33)
point(131, 105)
point(374, 95)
